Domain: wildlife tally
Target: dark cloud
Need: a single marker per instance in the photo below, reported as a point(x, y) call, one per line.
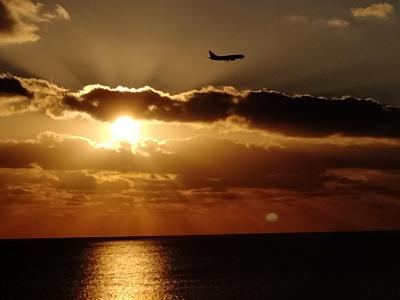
point(306, 116)
point(312, 116)
point(106, 104)
point(298, 116)
point(10, 86)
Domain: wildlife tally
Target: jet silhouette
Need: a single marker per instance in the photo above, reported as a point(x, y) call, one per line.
point(232, 57)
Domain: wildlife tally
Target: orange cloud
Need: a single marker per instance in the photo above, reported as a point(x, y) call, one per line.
point(379, 10)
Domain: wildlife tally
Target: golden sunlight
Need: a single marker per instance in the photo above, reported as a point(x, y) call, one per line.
point(125, 129)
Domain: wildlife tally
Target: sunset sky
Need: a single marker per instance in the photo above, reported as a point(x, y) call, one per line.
point(113, 121)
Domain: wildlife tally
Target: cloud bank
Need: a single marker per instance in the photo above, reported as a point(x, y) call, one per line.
point(315, 181)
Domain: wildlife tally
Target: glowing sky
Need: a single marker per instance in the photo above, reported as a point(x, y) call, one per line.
point(301, 135)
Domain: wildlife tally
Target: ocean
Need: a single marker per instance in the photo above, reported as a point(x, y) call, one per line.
point(363, 265)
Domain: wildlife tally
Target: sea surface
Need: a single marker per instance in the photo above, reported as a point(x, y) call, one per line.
point(272, 266)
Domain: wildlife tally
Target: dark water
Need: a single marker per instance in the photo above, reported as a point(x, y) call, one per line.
point(289, 266)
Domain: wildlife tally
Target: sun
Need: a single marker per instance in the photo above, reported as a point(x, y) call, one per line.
point(125, 129)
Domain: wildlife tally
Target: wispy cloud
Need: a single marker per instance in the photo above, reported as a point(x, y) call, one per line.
point(297, 19)
point(337, 23)
point(301, 19)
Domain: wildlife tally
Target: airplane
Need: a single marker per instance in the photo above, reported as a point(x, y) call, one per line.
point(232, 57)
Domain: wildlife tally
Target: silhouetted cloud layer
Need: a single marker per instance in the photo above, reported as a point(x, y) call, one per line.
point(298, 115)
point(305, 115)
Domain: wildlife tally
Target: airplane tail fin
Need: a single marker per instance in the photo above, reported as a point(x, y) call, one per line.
point(212, 55)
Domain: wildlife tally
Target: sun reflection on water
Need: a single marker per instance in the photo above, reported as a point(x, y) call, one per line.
point(125, 270)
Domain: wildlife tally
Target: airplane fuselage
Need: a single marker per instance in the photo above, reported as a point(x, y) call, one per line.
point(232, 57)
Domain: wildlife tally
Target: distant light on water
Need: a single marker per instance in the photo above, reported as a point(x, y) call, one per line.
point(124, 270)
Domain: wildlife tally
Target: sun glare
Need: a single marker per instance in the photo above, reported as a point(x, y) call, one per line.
point(125, 129)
